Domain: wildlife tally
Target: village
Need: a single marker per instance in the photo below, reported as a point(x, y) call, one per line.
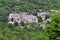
point(29, 19)
point(40, 18)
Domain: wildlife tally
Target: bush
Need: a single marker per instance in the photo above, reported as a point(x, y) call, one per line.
point(16, 23)
point(40, 19)
point(22, 23)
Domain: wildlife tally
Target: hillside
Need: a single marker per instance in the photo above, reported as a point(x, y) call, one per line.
point(7, 6)
point(34, 32)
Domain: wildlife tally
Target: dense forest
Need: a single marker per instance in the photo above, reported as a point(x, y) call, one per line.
point(13, 32)
point(7, 6)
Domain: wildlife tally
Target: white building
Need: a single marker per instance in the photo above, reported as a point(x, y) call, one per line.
point(22, 17)
point(42, 14)
point(31, 18)
point(14, 17)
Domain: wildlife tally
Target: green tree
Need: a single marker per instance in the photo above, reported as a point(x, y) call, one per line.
point(47, 16)
point(40, 19)
point(16, 23)
point(22, 23)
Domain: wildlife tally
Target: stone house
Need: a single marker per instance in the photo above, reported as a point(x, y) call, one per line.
point(42, 14)
point(14, 17)
point(22, 17)
point(31, 18)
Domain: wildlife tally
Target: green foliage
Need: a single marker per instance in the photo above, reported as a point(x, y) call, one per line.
point(40, 19)
point(7, 6)
point(54, 28)
point(16, 23)
point(47, 16)
point(16, 33)
point(22, 23)
point(56, 18)
point(3, 19)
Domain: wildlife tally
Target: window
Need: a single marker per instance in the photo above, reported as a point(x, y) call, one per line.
point(18, 19)
point(24, 19)
point(33, 19)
